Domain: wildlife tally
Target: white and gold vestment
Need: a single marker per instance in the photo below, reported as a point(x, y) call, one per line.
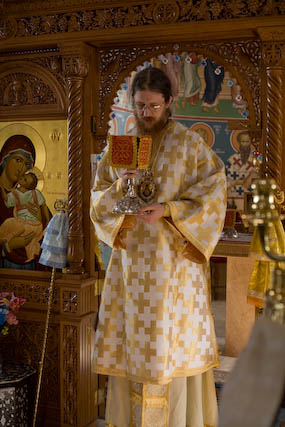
point(154, 321)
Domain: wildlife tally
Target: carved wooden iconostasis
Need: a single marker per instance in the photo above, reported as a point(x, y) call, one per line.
point(62, 67)
point(40, 101)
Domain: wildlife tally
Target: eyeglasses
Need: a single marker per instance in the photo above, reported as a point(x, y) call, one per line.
point(152, 107)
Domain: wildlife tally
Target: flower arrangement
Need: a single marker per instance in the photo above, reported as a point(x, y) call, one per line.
point(9, 306)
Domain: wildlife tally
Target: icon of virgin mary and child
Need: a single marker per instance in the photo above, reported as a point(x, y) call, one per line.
point(24, 214)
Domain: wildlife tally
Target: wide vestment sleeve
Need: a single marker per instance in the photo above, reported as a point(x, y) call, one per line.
point(199, 210)
point(106, 191)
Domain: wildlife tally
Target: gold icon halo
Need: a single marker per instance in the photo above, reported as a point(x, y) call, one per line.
point(205, 131)
point(30, 132)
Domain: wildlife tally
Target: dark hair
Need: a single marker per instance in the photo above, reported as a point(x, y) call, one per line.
point(152, 79)
point(239, 135)
point(35, 180)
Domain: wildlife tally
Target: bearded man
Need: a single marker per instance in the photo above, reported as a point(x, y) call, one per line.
point(240, 170)
point(155, 336)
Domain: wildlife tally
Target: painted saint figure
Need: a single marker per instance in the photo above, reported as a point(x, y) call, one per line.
point(22, 198)
point(240, 170)
point(214, 76)
point(17, 156)
point(190, 79)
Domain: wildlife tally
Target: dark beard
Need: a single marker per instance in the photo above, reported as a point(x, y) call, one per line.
point(157, 127)
point(244, 153)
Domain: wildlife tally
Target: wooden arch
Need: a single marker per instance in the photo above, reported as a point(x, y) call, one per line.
point(30, 91)
point(240, 58)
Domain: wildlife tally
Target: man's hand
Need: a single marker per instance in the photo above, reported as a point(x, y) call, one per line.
point(126, 175)
point(150, 214)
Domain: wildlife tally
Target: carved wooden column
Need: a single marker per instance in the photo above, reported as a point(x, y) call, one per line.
point(273, 53)
point(75, 66)
point(78, 308)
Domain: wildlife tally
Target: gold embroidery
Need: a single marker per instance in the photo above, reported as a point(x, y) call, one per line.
point(152, 294)
point(122, 151)
point(149, 405)
point(129, 152)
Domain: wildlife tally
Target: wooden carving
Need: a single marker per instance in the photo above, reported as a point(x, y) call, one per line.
point(273, 53)
point(54, 65)
point(24, 344)
point(70, 302)
point(43, 18)
point(75, 69)
point(242, 58)
point(28, 89)
point(23, 89)
point(273, 56)
point(69, 345)
point(70, 372)
point(35, 292)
